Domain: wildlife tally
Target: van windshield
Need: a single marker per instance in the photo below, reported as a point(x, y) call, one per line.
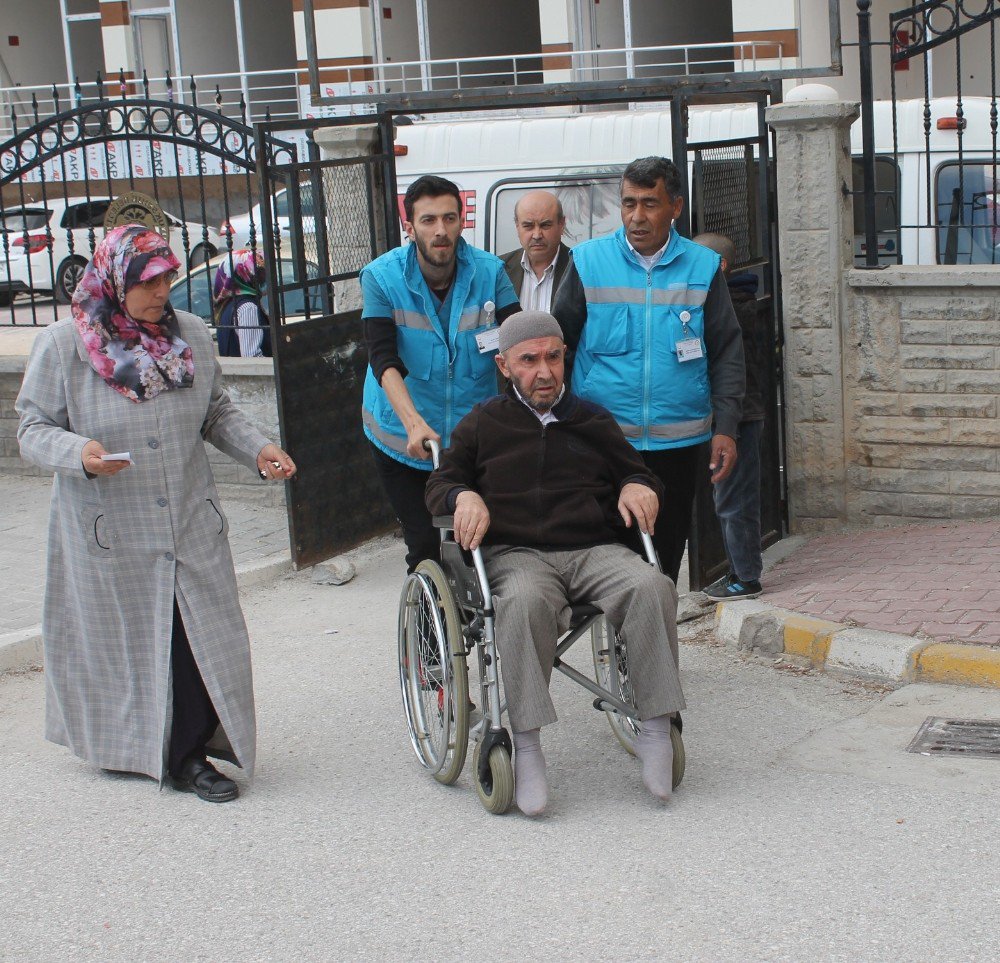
point(967, 213)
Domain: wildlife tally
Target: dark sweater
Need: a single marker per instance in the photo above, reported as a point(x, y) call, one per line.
point(553, 486)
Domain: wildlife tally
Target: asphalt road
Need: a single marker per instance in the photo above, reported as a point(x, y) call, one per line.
point(801, 831)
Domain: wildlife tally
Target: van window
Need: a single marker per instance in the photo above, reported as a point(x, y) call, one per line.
point(967, 217)
point(886, 209)
point(591, 207)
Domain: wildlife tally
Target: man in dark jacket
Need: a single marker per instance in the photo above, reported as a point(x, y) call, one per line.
point(737, 498)
point(547, 483)
point(537, 266)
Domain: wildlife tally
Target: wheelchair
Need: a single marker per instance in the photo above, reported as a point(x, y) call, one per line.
point(446, 613)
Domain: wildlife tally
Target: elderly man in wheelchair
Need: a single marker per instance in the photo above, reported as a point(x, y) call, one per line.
point(547, 485)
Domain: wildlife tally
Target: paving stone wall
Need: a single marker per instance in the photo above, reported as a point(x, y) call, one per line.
point(891, 377)
point(251, 385)
point(922, 392)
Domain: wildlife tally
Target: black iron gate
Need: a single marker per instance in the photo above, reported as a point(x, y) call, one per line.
point(329, 217)
point(731, 192)
point(60, 176)
point(324, 220)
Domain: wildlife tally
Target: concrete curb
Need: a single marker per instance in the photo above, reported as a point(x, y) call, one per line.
point(23, 649)
point(755, 626)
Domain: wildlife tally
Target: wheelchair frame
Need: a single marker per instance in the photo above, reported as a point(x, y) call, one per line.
point(435, 597)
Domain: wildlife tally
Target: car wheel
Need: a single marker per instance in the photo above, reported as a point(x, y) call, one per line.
point(68, 277)
point(202, 254)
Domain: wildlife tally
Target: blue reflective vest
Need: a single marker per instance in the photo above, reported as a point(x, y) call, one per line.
point(447, 374)
point(627, 356)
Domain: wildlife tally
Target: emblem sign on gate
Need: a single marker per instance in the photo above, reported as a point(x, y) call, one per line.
point(133, 207)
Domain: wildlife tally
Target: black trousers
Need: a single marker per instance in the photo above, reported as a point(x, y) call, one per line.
point(677, 468)
point(195, 719)
point(404, 487)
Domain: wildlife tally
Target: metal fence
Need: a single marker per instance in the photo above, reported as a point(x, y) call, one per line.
point(943, 208)
point(61, 173)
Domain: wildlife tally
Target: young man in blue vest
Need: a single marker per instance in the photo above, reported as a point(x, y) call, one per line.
point(657, 343)
point(431, 315)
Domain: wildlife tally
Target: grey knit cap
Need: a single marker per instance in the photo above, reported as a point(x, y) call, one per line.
point(526, 325)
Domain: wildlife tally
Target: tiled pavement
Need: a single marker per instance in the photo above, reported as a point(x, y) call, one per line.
point(255, 532)
point(939, 581)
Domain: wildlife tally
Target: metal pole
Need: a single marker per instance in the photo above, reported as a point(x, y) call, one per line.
point(66, 44)
point(629, 51)
point(241, 52)
point(423, 44)
point(867, 130)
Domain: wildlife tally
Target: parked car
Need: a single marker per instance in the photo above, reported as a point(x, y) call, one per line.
point(193, 291)
point(27, 264)
point(239, 227)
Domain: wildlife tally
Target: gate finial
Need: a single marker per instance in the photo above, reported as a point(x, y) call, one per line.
point(170, 88)
point(77, 91)
point(34, 106)
point(145, 84)
point(122, 86)
point(55, 99)
point(100, 86)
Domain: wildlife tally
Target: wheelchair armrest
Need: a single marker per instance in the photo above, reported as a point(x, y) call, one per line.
point(443, 521)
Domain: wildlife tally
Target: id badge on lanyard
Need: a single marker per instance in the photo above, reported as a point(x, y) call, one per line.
point(489, 340)
point(688, 348)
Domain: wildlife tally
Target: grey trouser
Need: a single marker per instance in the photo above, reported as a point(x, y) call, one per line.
point(531, 593)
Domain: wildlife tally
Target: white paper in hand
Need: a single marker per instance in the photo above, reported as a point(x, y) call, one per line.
point(118, 456)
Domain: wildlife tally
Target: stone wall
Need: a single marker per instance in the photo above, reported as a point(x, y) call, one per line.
point(922, 391)
point(250, 383)
point(891, 377)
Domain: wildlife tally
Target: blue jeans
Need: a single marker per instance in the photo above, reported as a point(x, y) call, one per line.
point(737, 503)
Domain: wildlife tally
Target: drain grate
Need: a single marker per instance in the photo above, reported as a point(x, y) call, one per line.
point(978, 738)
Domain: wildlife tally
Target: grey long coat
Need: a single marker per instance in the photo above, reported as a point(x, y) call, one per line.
point(122, 547)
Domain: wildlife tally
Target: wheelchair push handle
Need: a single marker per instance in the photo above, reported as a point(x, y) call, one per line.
point(435, 449)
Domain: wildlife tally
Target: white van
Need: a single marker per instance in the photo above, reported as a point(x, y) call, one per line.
point(580, 158)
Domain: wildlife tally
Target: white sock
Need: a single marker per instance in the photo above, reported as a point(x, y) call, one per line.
point(654, 748)
point(531, 791)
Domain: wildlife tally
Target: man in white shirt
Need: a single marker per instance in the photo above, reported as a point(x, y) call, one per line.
point(536, 268)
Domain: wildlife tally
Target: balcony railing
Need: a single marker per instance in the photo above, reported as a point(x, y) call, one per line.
point(284, 94)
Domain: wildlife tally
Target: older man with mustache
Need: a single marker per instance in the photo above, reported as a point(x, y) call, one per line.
point(548, 485)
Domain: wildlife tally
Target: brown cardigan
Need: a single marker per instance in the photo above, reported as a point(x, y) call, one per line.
point(553, 487)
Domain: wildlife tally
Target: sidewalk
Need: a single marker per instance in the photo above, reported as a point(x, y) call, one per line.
point(939, 581)
point(904, 604)
point(257, 534)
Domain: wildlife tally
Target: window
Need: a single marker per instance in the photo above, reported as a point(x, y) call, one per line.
point(591, 206)
point(305, 202)
point(966, 212)
point(886, 209)
point(24, 220)
point(88, 214)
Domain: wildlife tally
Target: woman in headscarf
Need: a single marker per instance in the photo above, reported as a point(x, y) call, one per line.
point(241, 323)
point(147, 660)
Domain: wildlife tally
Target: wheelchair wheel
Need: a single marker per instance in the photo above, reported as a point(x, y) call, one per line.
point(611, 666)
point(499, 794)
point(432, 672)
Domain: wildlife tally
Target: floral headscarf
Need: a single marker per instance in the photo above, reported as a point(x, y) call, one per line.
point(139, 359)
point(245, 278)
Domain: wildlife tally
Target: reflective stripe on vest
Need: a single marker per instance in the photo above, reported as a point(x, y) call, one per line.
point(411, 319)
point(624, 295)
point(390, 441)
point(672, 431)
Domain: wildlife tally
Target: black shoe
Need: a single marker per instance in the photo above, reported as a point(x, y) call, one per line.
point(199, 777)
point(730, 587)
